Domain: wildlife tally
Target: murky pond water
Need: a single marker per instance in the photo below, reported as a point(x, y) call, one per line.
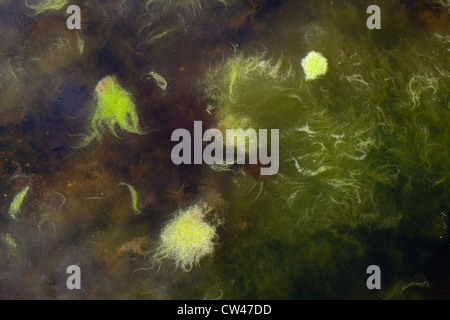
point(87, 172)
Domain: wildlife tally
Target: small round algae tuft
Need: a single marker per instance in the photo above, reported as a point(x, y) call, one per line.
point(187, 238)
point(314, 65)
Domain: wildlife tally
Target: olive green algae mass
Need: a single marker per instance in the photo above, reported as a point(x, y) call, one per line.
point(257, 85)
point(363, 154)
point(115, 110)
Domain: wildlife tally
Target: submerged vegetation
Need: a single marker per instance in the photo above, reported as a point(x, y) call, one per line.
point(187, 238)
point(345, 165)
point(165, 18)
point(41, 6)
point(16, 204)
point(364, 164)
point(160, 81)
point(134, 198)
point(257, 78)
point(114, 110)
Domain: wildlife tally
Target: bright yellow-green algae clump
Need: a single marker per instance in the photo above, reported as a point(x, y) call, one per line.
point(115, 108)
point(16, 204)
point(47, 5)
point(314, 65)
point(187, 238)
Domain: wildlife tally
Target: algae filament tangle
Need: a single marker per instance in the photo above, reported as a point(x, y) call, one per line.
point(46, 5)
point(186, 239)
point(134, 197)
point(115, 108)
point(315, 65)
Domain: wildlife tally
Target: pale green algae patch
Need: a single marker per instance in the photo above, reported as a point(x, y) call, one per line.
point(13, 246)
point(187, 238)
point(363, 151)
point(232, 85)
point(115, 110)
point(41, 6)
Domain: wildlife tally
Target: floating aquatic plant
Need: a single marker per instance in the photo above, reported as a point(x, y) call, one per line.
point(16, 204)
point(187, 238)
point(115, 109)
point(314, 65)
